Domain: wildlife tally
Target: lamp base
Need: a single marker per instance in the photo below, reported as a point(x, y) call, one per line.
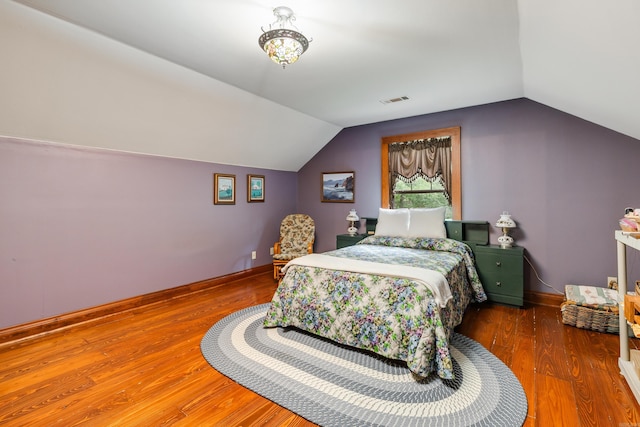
point(505, 241)
point(352, 231)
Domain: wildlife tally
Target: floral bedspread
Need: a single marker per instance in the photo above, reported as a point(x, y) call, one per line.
point(394, 317)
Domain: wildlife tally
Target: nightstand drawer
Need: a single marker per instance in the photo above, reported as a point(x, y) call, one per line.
point(499, 263)
point(507, 284)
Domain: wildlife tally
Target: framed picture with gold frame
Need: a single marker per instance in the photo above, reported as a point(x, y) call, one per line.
point(224, 189)
point(255, 188)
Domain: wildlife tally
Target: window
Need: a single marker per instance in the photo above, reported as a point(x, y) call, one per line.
point(420, 193)
point(413, 183)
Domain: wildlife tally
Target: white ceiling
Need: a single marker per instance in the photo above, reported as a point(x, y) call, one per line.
point(579, 56)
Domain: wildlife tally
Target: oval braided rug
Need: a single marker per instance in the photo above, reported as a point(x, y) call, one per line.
point(334, 385)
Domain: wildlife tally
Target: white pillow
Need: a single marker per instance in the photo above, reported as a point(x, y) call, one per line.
point(393, 222)
point(427, 223)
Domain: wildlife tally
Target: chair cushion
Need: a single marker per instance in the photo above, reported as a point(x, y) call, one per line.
point(290, 255)
point(296, 233)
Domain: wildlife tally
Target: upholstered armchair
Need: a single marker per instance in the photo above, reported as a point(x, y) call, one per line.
point(297, 234)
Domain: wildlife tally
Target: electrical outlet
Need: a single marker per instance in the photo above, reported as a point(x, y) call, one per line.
point(253, 254)
point(271, 251)
point(612, 282)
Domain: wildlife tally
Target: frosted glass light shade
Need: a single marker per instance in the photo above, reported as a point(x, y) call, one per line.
point(283, 46)
point(505, 221)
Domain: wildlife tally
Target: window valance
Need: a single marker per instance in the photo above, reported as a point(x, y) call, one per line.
point(428, 158)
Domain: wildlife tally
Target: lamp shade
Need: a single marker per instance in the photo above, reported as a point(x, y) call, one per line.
point(505, 221)
point(283, 46)
point(353, 216)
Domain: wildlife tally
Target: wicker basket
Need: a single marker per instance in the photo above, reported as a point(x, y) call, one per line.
point(601, 318)
point(589, 318)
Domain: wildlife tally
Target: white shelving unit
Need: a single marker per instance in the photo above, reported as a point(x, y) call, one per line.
point(626, 239)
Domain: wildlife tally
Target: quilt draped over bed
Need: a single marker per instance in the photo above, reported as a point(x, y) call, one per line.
point(434, 280)
point(396, 317)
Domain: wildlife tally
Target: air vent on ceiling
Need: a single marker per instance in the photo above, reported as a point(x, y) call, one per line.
point(392, 100)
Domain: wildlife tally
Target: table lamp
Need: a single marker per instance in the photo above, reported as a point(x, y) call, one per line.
point(352, 218)
point(505, 222)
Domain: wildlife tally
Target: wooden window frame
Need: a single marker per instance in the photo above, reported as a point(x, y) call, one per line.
point(456, 173)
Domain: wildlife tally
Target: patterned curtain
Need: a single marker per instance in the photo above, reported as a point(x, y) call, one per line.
point(426, 158)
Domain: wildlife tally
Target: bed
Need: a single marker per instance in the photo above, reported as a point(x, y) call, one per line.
point(386, 293)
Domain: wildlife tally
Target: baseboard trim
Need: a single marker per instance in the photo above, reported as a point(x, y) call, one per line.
point(543, 298)
point(107, 311)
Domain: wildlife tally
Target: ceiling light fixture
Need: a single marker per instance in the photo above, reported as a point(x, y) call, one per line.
point(283, 45)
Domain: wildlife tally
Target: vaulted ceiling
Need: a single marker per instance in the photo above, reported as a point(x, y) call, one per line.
point(579, 56)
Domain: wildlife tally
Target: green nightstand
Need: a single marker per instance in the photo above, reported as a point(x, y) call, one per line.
point(501, 272)
point(343, 240)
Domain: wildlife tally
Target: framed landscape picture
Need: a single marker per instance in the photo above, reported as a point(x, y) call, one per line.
point(255, 188)
point(338, 187)
point(224, 189)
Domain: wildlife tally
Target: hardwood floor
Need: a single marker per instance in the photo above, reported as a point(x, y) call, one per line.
point(144, 367)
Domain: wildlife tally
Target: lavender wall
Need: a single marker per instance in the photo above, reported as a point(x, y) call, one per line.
point(565, 181)
point(81, 227)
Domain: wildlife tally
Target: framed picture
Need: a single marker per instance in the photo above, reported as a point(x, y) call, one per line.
point(255, 188)
point(224, 189)
point(338, 187)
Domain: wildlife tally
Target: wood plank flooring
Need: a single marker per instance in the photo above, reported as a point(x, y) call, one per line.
point(143, 367)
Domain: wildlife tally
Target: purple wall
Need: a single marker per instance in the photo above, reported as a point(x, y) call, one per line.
point(565, 181)
point(81, 227)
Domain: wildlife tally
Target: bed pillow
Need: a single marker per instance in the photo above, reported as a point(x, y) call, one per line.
point(427, 223)
point(393, 222)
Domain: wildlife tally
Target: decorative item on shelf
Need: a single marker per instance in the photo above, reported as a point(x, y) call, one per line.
point(631, 220)
point(628, 224)
point(283, 45)
point(505, 222)
point(352, 218)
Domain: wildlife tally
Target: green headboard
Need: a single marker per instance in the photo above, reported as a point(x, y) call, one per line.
point(469, 232)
